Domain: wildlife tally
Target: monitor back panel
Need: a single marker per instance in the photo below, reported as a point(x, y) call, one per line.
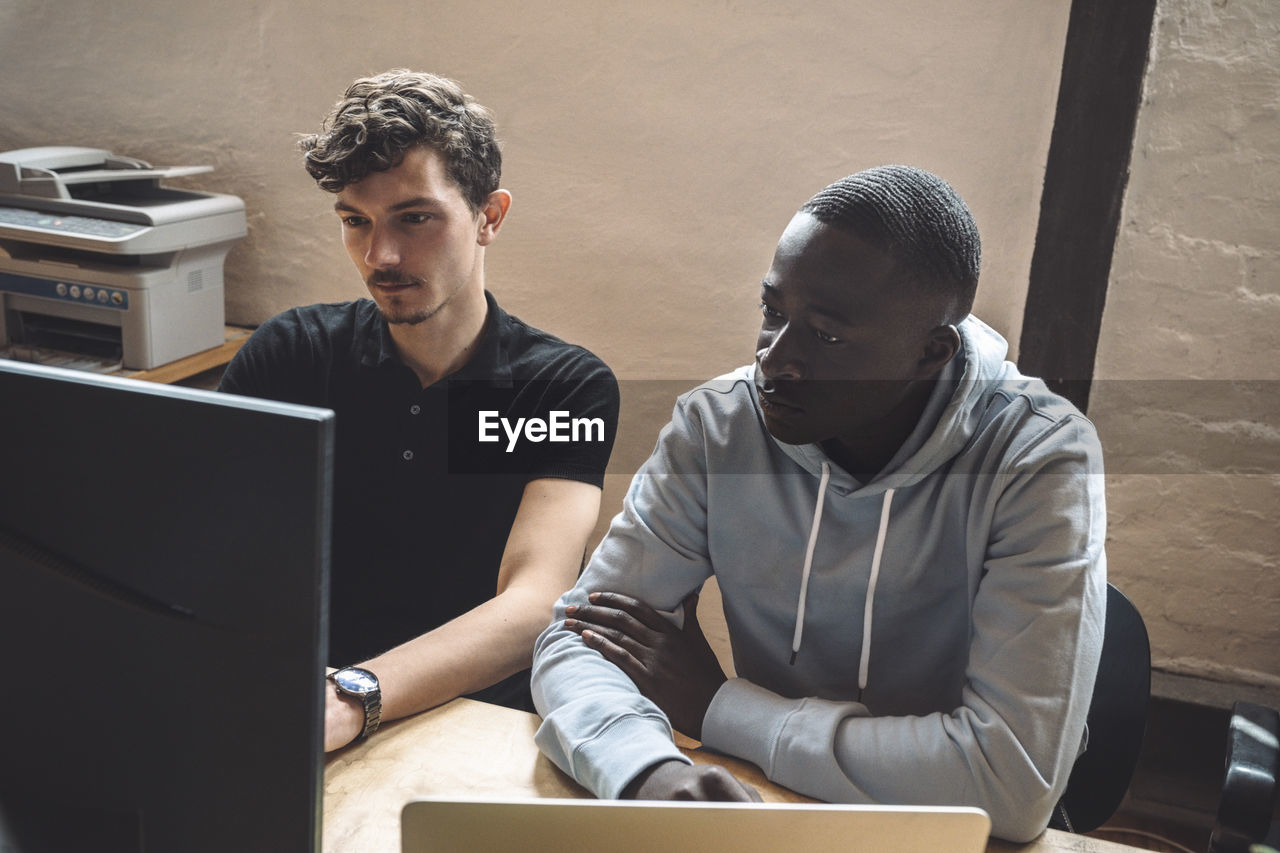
point(163, 604)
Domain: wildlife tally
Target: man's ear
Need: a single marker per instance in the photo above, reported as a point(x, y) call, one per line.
point(492, 215)
point(940, 347)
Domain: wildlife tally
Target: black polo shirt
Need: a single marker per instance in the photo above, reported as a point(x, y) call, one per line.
point(423, 505)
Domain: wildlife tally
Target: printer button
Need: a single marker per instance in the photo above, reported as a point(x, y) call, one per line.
point(89, 294)
point(103, 296)
point(117, 298)
point(61, 288)
point(75, 291)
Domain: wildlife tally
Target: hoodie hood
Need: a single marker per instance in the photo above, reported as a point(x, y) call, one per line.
point(950, 419)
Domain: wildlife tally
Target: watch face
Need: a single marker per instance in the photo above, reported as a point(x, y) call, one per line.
point(356, 680)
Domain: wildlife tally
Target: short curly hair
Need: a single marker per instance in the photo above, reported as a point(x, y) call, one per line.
point(380, 118)
point(914, 216)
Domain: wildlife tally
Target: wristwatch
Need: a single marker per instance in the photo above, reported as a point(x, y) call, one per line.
point(363, 685)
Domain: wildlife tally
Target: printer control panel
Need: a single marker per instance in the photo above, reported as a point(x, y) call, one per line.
point(64, 291)
point(67, 224)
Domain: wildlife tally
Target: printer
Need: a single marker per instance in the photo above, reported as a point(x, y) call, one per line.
point(99, 260)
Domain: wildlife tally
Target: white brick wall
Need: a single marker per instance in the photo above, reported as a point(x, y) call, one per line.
point(1194, 299)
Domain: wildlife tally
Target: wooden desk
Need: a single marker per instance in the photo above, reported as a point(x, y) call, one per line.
point(471, 749)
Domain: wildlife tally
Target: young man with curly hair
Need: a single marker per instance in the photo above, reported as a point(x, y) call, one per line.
point(450, 541)
point(906, 532)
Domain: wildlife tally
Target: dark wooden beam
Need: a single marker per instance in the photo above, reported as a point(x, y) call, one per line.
point(1084, 183)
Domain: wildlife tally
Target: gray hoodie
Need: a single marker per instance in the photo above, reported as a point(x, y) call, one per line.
point(930, 637)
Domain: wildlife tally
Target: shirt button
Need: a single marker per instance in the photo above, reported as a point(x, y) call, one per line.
point(408, 455)
point(415, 409)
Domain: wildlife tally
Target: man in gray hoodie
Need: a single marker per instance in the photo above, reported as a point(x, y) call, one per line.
point(907, 534)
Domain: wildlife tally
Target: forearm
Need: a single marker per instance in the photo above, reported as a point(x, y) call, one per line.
point(597, 727)
point(494, 640)
point(836, 752)
point(475, 650)
point(471, 652)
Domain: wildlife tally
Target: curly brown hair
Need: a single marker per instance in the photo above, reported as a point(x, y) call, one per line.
point(380, 118)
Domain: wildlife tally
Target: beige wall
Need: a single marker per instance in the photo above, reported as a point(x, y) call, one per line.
point(1194, 299)
point(655, 150)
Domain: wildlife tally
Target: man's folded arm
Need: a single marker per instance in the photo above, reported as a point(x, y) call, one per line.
point(597, 727)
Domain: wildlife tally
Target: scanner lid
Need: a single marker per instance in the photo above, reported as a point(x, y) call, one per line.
point(46, 172)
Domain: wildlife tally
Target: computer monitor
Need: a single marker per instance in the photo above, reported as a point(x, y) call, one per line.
point(163, 616)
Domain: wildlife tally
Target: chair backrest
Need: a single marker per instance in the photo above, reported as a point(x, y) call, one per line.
point(1249, 787)
point(1117, 721)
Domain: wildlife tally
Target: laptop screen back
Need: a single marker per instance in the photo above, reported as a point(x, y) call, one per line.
point(436, 825)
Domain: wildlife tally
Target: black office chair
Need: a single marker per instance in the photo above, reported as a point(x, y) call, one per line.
point(1117, 721)
point(1247, 805)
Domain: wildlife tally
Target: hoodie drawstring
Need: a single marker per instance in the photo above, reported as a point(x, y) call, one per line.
point(808, 560)
point(865, 663)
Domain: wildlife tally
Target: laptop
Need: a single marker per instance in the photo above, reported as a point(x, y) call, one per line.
point(435, 825)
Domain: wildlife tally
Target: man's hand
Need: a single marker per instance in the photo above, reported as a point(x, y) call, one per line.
point(675, 780)
point(675, 668)
point(343, 718)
